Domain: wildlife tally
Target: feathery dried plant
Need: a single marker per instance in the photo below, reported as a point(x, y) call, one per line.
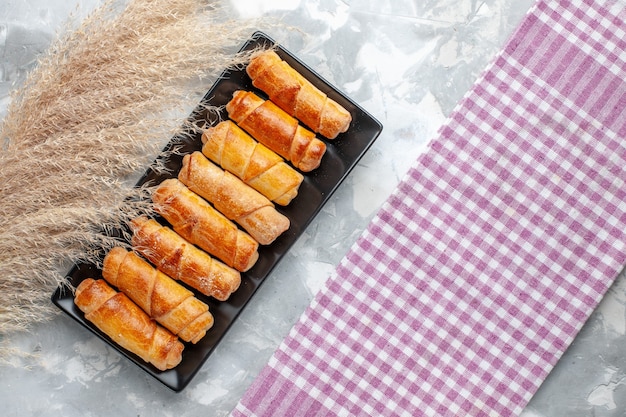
point(95, 111)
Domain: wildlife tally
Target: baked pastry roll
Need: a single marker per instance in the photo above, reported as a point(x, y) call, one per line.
point(182, 261)
point(166, 301)
point(274, 128)
point(197, 221)
point(127, 325)
point(229, 146)
point(296, 95)
point(233, 198)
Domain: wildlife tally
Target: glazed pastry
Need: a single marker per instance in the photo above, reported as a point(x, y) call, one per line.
point(179, 259)
point(127, 325)
point(256, 165)
point(197, 221)
point(233, 198)
point(297, 96)
point(165, 300)
point(274, 128)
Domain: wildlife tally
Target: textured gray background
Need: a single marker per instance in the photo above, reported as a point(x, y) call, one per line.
point(408, 63)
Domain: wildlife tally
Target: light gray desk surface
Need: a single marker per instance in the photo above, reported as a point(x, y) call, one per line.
point(408, 63)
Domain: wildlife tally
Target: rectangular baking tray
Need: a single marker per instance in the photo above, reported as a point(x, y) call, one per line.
point(342, 155)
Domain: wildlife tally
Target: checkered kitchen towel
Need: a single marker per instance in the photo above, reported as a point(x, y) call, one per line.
point(483, 265)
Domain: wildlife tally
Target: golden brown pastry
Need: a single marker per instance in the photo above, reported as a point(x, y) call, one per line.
point(274, 128)
point(179, 259)
point(127, 325)
point(165, 300)
point(261, 168)
point(198, 222)
point(297, 96)
point(233, 198)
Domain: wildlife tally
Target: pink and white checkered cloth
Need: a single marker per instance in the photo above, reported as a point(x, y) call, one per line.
point(483, 265)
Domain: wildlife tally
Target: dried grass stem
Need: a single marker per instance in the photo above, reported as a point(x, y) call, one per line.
point(95, 111)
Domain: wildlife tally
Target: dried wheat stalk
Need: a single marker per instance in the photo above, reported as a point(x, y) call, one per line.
point(94, 113)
